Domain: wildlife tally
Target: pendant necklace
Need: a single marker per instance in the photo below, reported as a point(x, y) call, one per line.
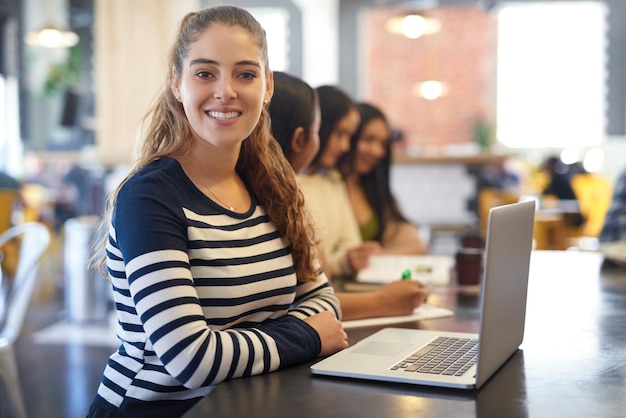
point(229, 207)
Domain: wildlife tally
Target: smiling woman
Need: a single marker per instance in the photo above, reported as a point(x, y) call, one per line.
point(366, 170)
point(210, 290)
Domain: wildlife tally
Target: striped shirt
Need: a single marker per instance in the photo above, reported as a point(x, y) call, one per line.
point(202, 295)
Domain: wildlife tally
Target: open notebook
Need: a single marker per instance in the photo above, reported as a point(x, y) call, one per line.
point(431, 269)
point(407, 355)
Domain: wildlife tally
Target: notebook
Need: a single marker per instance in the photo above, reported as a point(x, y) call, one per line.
point(431, 269)
point(383, 355)
point(422, 312)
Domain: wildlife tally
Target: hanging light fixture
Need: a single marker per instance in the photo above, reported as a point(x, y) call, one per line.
point(413, 22)
point(430, 89)
point(51, 35)
point(412, 25)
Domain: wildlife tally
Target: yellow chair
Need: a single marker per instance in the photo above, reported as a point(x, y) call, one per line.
point(10, 249)
point(7, 200)
point(594, 193)
point(488, 198)
point(36, 199)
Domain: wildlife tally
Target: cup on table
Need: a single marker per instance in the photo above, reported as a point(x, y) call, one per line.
point(469, 268)
point(472, 241)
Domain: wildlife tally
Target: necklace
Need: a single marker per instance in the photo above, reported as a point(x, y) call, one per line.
point(231, 208)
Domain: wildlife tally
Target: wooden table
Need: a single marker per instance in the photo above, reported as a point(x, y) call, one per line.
point(572, 362)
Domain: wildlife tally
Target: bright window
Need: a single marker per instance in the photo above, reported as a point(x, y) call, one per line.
point(551, 74)
point(275, 21)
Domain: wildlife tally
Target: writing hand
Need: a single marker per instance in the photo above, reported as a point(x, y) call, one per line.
point(358, 257)
point(401, 297)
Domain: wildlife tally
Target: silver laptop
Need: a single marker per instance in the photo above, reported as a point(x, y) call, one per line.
point(409, 355)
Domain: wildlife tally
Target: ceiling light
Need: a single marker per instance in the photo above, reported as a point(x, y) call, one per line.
point(52, 37)
point(412, 25)
point(430, 89)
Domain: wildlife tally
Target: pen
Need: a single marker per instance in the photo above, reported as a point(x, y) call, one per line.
point(406, 274)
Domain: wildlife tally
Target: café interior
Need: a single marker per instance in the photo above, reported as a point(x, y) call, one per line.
point(480, 93)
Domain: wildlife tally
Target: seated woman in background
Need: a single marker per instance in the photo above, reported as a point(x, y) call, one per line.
point(295, 120)
point(365, 168)
point(325, 190)
point(560, 187)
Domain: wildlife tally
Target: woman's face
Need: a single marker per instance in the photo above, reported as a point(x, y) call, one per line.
point(223, 85)
point(371, 146)
point(339, 139)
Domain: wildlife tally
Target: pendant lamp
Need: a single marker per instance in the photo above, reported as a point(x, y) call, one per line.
point(52, 35)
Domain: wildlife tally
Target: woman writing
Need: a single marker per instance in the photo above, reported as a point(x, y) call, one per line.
point(209, 249)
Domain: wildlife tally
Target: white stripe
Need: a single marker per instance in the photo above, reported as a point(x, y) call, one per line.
point(154, 257)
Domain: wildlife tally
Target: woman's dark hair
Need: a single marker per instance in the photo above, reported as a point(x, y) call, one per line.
point(293, 105)
point(334, 106)
point(377, 183)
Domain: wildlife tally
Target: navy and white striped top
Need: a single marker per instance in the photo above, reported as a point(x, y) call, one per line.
point(202, 295)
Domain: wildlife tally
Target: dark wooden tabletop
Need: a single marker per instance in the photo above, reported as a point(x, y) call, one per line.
point(572, 362)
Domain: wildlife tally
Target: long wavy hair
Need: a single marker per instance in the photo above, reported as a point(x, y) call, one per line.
point(261, 162)
point(376, 183)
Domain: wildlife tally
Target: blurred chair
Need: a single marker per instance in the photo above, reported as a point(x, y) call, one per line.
point(15, 296)
point(550, 232)
point(36, 200)
point(489, 198)
point(7, 200)
point(594, 193)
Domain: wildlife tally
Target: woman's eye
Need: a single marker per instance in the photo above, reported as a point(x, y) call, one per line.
point(203, 74)
point(248, 75)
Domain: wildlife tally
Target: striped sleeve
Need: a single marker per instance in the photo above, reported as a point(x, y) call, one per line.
point(167, 305)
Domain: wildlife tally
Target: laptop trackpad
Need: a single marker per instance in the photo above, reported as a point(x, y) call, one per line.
point(380, 348)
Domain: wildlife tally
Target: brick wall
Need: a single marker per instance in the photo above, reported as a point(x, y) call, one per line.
point(461, 54)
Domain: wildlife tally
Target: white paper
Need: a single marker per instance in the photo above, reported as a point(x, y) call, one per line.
point(424, 311)
point(434, 270)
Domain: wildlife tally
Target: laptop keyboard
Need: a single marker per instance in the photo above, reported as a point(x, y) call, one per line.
point(447, 356)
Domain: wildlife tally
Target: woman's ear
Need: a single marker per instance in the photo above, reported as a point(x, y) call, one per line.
point(175, 84)
point(298, 140)
point(269, 89)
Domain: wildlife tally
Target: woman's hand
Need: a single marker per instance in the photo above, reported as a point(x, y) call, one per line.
point(400, 297)
point(331, 332)
point(358, 257)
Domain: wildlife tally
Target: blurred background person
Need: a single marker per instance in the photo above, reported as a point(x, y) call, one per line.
point(559, 186)
point(325, 191)
point(295, 119)
point(613, 235)
point(365, 169)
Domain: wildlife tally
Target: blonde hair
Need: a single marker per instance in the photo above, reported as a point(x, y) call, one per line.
point(261, 162)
